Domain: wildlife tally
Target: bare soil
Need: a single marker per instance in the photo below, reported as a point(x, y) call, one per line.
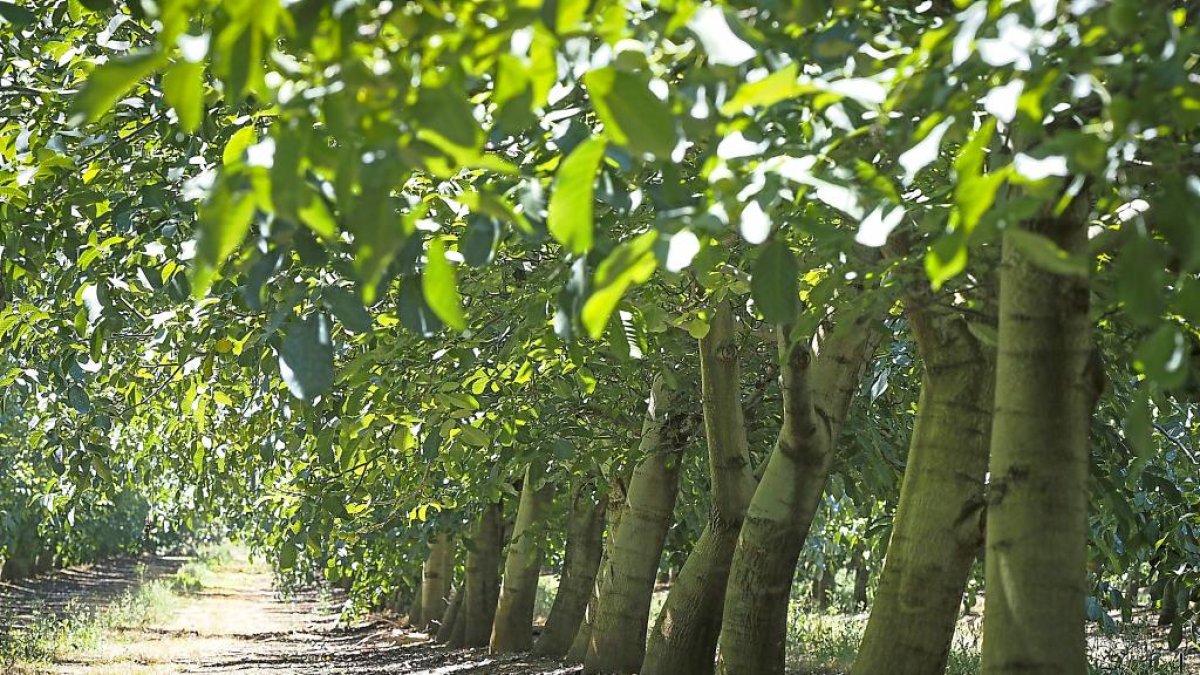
point(239, 624)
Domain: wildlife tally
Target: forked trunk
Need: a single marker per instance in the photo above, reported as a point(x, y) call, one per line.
point(684, 638)
point(817, 394)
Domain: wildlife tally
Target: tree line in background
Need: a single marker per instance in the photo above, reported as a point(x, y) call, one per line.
point(424, 297)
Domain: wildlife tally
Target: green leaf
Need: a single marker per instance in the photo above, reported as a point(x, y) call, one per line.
point(415, 313)
point(1163, 357)
point(1044, 253)
point(568, 14)
point(480, 240)
point(316, 216)
point(306, 357)
point(108, 83)
point(946, 259)
point(974, 192)
point(630, 263)
point(779, 86)
point(441, 288)
point(775, 286)
point(348, 308)
point(633, 117)
point(223, 222)
point(570, 213)
point(287, 555)
point(17, 16)
point(183, 87)
point(474, 436)
point(236, 146)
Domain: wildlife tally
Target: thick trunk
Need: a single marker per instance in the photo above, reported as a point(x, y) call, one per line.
point(435, 581)
point(618, 636)
point(1046, 386)
point(684, 639)
point(585, 542)
point(483, 577)
point(512, 629)
point(939, 522)
point(817, 394)
point(453, 610)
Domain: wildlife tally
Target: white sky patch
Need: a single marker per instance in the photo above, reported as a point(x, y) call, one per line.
point(924, 152)
point(262, 153)
point(736, 145)
point(754, 223)
point(91, 302)
point(874, 229)
point(865, 91)
point(1001, 102)
point(681, 250)
point(1034, 168)
point(193, 48)
point(1044, 11)
point(1132, 209)
point(723, 46)
point(970, 21)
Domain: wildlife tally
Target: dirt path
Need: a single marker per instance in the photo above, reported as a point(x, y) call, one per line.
point(236, 624)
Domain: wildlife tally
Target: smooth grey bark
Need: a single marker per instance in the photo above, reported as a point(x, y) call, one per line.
point(512, 628)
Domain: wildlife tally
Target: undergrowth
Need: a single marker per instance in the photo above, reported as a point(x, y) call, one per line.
point(39, 637)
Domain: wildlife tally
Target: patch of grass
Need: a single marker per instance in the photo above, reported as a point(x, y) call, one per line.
point(44, 636)
point(544, 601)
point(826, 644)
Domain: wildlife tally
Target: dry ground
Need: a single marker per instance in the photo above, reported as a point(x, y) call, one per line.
point(237, 624)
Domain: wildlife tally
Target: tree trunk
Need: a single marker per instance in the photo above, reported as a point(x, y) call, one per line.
point(585, 542)
point(483, 577)
point(939, 522)
point(817, 394)
point(684, 639)
point(416, 613)
point(618, 636)
point(615, 509)
point(824, 585)
point(1046, 386)
point(435, 581)
point(446, 630)
point(512, 628)
point(862, 577)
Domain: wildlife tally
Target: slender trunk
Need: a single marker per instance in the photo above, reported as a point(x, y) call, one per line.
point(1046, 386)
point(450, 620)
point(939, 522)
point(416, 613)
point(823, 586)
point(618, 636)
point(483, 577)
point(817, 394)
point(585, 542)
point(615, 509)
point(684, 639)
point(512, 628)
point(862, 577)
point(435, 581)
